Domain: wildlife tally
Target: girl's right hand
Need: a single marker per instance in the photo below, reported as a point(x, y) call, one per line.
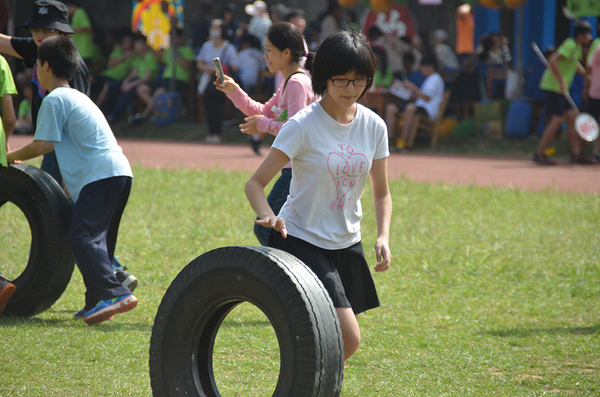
point(230, 85)
point(273, 222)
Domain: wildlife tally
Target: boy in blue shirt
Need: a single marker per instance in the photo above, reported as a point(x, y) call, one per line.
point(95, 172)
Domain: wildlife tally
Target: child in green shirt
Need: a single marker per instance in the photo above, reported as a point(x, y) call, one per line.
point(144, 70)
point(7, 90)
point(82, 26)
point(119, 65)
point(24, 124)
point(556, 81)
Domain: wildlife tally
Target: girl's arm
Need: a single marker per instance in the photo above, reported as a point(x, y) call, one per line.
point(417, 93)
point(297, 99)
point(9, 118)
point(382, 200)
point(244, 103)
point(115, 61)
point(205, 67)
point(255, 190)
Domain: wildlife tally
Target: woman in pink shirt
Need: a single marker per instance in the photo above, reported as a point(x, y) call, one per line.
point(284, 49)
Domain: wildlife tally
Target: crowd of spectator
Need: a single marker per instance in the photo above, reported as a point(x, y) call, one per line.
point(128, 76)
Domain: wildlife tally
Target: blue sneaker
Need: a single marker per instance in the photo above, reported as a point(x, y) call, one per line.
point(107, 308)
point(81, 314)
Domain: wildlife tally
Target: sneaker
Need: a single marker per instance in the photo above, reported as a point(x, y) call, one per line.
point(542, 159)
point(400, 146)
point(135, 119)
point(7, 289)
point(81, 314)
point(214, 139)
point(127, 279)
point(255, 145)
point(597, 158)
point(109, 307)
point(581, 159)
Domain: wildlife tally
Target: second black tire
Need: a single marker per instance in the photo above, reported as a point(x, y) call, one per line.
point(51, 261)
point(205, 291)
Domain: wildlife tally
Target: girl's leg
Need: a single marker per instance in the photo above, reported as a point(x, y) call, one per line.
point(102, 96)
point(549, 133)
point(409, 121)
point(575, 141)
point(391, 120)
point(350, 330)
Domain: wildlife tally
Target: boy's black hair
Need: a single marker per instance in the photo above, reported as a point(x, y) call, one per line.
point(430, 59)
point(582, 27)
point(285, 35)
point(375, 32)
point(61, 54)
point(379, 51)
point(295, 12)
point(341, 53)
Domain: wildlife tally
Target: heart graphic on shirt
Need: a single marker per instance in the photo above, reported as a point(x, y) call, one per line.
point(345, 173)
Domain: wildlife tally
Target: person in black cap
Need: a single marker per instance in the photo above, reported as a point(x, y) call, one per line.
point(47, 19)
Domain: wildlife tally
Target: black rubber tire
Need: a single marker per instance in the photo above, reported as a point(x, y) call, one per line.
point(51, 260)
point(205, 291)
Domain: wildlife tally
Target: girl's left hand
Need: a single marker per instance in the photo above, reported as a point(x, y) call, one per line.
point(250, 127)
point(273, 222)
point(384, 256)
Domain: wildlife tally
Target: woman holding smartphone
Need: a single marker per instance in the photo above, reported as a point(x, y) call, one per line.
point(284, 49)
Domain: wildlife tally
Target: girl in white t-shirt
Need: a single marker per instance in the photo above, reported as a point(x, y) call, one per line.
point(333, 145)
point(284, 50)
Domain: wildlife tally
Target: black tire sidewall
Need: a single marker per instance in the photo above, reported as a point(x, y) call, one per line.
point(51, 261)
point(282, 287)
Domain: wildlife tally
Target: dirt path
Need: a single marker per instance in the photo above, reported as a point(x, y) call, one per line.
point(509, 173)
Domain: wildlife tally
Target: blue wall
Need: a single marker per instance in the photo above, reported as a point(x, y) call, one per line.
point(539, 19)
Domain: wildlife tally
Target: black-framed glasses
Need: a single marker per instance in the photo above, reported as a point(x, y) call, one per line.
point(41, 30)
point(341, 83)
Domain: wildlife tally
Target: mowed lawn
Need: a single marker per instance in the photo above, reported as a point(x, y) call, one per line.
point(491, 292)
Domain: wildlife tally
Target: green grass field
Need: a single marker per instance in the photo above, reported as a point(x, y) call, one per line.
point(491, 292)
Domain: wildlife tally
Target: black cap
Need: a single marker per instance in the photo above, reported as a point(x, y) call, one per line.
point(49, 15)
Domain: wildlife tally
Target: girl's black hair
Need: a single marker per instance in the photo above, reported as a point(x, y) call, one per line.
point(61, 54)
point(341, 53)
point(430, 59)
point(284, 35)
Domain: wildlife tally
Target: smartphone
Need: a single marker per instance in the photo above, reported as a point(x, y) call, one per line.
point(219, 70)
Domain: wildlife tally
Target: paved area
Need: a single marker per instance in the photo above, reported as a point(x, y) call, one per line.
point(462, 170)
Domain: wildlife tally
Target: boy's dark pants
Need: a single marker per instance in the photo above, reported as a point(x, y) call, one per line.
point(93, 236)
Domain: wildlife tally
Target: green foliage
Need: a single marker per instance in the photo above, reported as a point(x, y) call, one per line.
point(492, 292)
